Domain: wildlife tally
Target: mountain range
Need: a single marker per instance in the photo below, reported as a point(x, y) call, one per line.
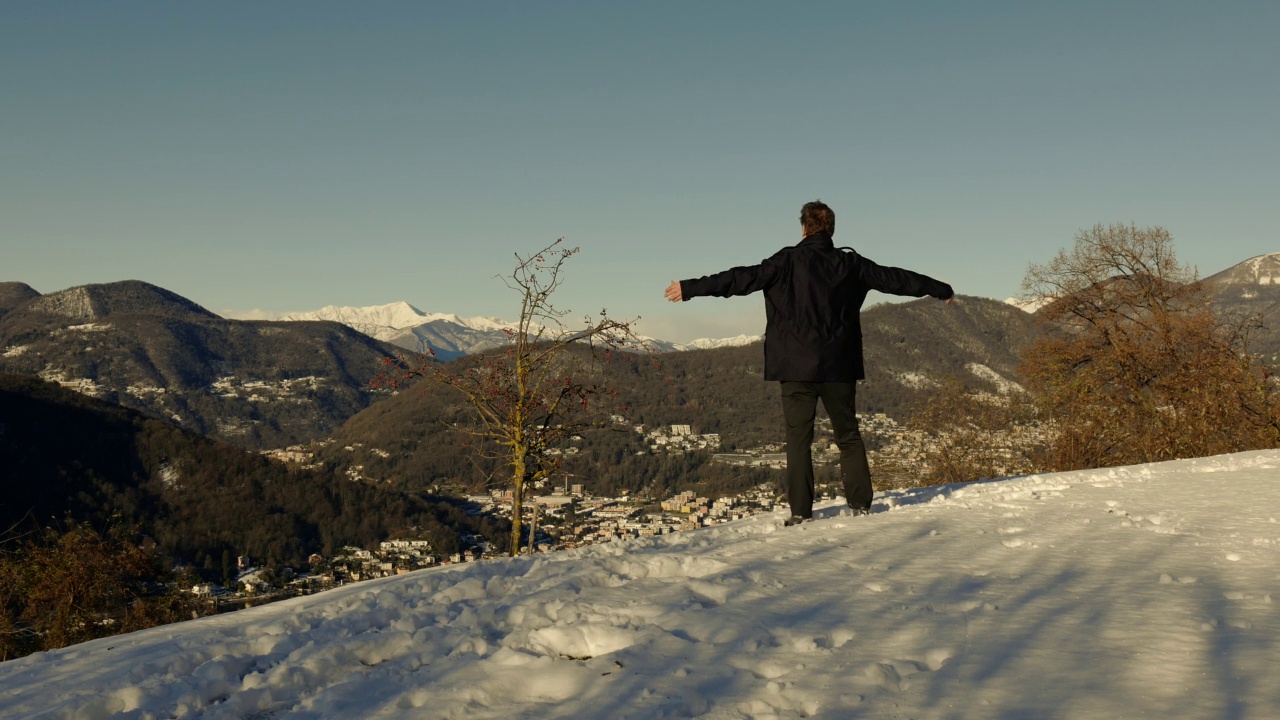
point(1254, 283)
point(451, 336)
point(255, 384)
point(264, 384)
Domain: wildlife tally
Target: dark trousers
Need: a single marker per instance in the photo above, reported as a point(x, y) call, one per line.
point(799, 406)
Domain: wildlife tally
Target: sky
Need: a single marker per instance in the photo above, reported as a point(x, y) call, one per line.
point(286, 156)
point(1143, 591)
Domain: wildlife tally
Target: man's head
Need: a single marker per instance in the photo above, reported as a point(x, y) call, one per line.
point(816, 217)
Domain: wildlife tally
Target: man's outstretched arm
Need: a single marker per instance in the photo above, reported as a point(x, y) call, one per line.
point(734, 281)
point(896, 281)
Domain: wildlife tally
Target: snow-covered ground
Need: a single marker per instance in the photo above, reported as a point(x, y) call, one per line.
point(1143, 591)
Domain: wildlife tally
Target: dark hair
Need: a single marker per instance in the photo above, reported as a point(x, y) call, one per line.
point(816, 217)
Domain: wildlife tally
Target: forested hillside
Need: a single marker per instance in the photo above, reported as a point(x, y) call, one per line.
point(67, 458)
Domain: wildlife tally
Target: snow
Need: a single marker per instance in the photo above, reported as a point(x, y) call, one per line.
point(394, 317)
point(377, 321)
point(483, 324)
point(403, 324)
point(1004, 385)
point(915, 380)
point(1137, 591)
point(709, 343)
point(1027, 306)
point(1264, 269)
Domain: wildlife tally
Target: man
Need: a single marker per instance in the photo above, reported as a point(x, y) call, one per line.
point(813, 293)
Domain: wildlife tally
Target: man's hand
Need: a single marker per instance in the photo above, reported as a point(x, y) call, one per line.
point(673, 292)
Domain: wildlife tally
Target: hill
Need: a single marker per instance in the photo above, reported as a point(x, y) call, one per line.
point(13, 294)
point(255, 384)
point(68, 457)
point(1112, 593)
point(1253, 288)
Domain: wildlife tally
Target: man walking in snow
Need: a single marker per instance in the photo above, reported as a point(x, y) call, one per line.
point(813, 294)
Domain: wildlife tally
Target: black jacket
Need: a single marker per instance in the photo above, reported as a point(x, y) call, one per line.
point(813, 293)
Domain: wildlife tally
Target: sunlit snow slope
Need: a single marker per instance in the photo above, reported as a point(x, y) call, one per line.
point(1134, 592)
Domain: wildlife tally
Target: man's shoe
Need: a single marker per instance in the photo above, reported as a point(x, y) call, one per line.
point(795, 520)
point(856, 511)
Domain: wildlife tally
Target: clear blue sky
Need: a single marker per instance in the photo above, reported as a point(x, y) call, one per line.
point(285, 156)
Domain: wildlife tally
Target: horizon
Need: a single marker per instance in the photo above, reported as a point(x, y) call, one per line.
point(262, 314)
point(262, 157)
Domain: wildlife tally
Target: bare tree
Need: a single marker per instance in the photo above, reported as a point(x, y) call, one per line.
point(1134, 365)
point(527, 400)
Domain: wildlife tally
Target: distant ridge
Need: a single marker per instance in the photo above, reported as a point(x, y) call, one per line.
point(379, 321)
point(450, 335)
point(1262, 270)
point(95, 302)
point(255, 384)
point(1029, 306)
point(13, 294)
point(404, 325)
point(1252, 289)
point(710, 343)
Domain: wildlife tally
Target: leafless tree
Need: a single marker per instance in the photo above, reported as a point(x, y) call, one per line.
point(529, 399)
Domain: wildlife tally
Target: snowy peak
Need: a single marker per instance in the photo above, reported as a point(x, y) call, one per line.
point(389, 320)
point(450, 335)
point(446, 334)
point(1261, 270)
point(483, 324)
point(379, 318)
point(1029, 306)
point(711, 343)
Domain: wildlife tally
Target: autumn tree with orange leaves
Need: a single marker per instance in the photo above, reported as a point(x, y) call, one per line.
point(528, 399)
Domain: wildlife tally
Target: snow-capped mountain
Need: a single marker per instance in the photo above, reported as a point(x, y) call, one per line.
point(1141, 591)
point(1252, 288)
point(1260, 270)
point(379, 321)
point(709, 343)
point(402, 324)
point(1029, 306)
point(451, 335)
